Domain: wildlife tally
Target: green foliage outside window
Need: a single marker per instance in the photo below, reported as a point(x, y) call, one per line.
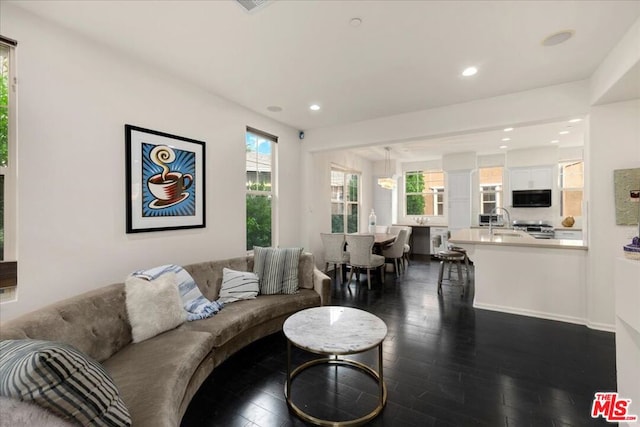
point(258, 221)
point(414, 184)
point(4, 107)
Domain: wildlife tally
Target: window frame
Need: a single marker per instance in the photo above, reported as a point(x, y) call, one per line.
point(345, 199)
point(561, 165)
point(271, 194)
point(9, 171)
point(499, 193)
point(437, 193)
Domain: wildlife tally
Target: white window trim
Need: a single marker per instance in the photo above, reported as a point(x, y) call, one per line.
point(10, 172)
point(426, 192)
point(346, 202)
point(563, 189)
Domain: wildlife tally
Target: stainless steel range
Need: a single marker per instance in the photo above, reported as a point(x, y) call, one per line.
point(537, 229)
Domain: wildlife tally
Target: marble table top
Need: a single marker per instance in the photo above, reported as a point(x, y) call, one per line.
point(335, 330)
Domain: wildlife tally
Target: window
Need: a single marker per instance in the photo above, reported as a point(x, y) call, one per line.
point(8, 185)
point(345, 201)
point(490, 188)
point(260, 174)
point(424, 193)
point(571, 188)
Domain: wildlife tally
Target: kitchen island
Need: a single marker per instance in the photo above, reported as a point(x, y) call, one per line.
point(516, 273)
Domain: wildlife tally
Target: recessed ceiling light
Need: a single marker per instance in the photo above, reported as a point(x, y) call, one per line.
point(557, 38)
point(469, 71)
point(506, 139)
point(554, 141)
point(274, 108)
point(314, 107)
point(508, 129)
point(502, 147)
point(575, 120)
point(355, 22)
point(563, 132)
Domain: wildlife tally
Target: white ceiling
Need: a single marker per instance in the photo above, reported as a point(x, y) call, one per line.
point(405, 56)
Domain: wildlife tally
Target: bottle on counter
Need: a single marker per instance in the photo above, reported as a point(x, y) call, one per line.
point(372, 222)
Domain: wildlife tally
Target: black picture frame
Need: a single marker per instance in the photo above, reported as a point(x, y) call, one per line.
point(165, 181)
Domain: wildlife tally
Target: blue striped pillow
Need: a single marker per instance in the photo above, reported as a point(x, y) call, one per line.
point(63, 380)
point(238, 285)
point(277, 269)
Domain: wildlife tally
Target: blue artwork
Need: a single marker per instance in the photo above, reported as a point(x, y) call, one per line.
point(168, 185)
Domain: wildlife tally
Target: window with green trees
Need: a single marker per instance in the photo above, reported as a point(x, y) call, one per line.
point(5, 167)
point(259, 186)
point(424, 193)
point(345, 200)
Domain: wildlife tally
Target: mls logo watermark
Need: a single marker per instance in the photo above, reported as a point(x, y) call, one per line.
point(611, 407)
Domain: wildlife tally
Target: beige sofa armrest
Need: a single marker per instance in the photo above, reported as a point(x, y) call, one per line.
point(322, 285)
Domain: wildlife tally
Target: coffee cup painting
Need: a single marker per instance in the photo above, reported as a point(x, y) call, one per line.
point(165, 177)
point(168, 174)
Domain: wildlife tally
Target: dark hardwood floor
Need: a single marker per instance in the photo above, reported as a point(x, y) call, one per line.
point(445, 364)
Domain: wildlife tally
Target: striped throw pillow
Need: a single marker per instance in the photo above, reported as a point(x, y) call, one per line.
point(238, 285)
point(277, 269)
point(63, 380)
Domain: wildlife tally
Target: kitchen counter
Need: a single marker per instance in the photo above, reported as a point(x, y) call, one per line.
point(519, 274)
point(510, 237)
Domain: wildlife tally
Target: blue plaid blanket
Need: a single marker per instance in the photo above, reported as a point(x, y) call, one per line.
point(197, 306)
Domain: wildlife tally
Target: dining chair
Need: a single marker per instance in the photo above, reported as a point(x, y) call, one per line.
point(395, 229)
point(396, 251)
point(382, 229)
point(334, 253)
point(361, 257)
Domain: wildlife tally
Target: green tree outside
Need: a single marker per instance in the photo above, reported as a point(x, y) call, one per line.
point(414, 184)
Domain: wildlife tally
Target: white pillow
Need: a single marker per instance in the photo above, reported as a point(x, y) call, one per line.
point(238, 285)
point(153, 306)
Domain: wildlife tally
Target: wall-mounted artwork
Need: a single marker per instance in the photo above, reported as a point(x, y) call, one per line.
point(627, 196)
point(165, 181)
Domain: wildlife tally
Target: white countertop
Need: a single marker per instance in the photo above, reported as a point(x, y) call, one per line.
point(510, 237)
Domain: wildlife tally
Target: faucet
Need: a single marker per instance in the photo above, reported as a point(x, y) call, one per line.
point(495, 210)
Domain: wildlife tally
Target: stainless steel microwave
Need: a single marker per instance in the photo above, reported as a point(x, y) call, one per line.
point(531, 198)
point(483, 220)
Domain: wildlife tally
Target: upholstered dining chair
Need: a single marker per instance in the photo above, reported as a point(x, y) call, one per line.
point(334, 253)
point(396, 251)
point(395, 229)
point(382, 229)
point(360, 248)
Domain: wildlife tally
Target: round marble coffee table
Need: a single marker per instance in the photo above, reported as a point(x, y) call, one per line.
point(333, 332)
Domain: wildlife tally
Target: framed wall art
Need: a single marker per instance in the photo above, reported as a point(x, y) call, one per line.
point(165, 181)
point(627, 196)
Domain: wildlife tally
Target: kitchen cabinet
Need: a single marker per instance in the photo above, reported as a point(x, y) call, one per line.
point(459, 199)
point(568, 234)
point(536, 178)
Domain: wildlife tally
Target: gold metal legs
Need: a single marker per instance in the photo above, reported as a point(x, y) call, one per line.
point(335, 360)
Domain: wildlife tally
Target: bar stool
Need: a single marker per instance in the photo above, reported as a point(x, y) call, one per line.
point(448, 258)
point(466, 259)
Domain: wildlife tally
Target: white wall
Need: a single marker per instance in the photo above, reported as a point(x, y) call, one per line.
point(74, 98)
point(614, 143)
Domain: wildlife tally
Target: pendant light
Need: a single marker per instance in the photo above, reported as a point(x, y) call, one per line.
point(387, 182)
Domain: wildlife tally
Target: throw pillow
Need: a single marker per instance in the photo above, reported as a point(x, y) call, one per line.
point(238, 285)
point(277, 269)
point(61, 379)
point(153, 306)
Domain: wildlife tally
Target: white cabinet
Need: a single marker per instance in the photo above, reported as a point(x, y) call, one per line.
point(568, 234)
point(538, 178)
point(443, 233)
point(459, 199)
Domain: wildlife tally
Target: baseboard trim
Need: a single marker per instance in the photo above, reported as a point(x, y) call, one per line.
point(546, 316)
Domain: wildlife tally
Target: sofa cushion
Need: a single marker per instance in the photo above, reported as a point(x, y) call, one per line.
point(18, 413)
point(242, 315)
point(208, 275)
point(154, 306)
point(95, 322)
point(238, 285)
point(61, 379)
point(153, 375)
point(277, 269)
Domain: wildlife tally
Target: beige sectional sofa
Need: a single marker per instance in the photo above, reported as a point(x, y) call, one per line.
point(158, 377)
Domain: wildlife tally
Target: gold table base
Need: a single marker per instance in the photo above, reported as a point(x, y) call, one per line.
point(336, 361)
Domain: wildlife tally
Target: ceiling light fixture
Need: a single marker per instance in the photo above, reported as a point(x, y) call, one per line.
point(554, 141)
point(558, 38)
point(314, 107)
point(575, 120)
point(502, 147)
point(387, 182)
point(506, 139)
point(563, 132)
point(274, 108)
point(469, 71)
point(508, 129)
point(355, 22)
